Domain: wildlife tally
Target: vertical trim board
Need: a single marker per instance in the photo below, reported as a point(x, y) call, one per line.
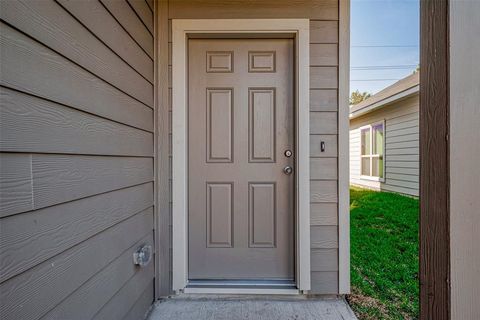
point(163, 193)
point(343, 150)
point(434, 148)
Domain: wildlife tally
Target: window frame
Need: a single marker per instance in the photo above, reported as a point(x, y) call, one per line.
point(371, 155)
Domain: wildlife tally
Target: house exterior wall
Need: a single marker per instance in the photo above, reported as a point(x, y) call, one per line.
point(76, 161)
point(324, 15)
point(401, 147)
point(464, 143)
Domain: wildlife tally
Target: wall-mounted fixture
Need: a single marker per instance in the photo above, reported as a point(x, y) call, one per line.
point(322, 146)
point(143, 255)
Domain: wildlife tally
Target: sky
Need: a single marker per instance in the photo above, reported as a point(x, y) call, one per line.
point(384, 42)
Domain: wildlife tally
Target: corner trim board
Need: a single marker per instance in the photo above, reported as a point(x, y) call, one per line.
point(435, 291)
point(162, 166)
point(343, 149)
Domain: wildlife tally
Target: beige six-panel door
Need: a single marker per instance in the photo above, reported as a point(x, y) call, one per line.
point(241, 171)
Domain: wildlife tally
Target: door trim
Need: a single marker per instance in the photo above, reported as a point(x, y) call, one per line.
point(343, 148)
point(182, 29)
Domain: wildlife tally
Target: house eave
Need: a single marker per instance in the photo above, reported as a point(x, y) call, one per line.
point(384, 102)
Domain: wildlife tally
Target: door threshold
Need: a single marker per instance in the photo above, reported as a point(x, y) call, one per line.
point(242, 287)
point(226, 290)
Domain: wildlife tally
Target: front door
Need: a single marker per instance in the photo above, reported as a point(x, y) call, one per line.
point(240, 159)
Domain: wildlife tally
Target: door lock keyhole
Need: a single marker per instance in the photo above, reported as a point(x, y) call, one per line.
point(288, 170)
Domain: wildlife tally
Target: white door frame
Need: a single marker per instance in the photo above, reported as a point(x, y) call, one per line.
point(182, 29)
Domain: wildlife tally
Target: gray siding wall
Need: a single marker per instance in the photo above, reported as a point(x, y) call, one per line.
point(464, 155)
point(76, 161)
point(401, 147)
point(323, 15)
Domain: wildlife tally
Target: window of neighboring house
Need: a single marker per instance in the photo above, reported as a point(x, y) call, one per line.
point(372, 151)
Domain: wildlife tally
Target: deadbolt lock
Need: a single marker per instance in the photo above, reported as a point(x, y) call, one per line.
point(288, 170)
point(288, 153)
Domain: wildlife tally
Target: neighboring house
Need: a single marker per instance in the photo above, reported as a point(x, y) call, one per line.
point(220, 144)
point(384, 139)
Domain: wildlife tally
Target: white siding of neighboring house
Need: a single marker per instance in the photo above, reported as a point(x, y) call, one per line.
point(401, 147)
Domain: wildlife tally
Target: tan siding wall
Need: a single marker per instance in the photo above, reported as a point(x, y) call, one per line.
point(324, 106)
point(401, 147)
point(76, 161)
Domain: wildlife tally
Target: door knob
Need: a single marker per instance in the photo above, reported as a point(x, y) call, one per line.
point(288, 170)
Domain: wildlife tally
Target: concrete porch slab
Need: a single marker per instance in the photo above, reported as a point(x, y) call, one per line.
point(211, 307)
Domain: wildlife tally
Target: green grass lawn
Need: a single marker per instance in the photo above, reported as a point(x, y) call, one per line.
point(384, 255)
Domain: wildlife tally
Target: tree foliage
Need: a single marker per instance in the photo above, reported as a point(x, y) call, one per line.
point(357, 97)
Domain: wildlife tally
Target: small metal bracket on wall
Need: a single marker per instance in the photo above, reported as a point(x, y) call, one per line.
point(322, 146)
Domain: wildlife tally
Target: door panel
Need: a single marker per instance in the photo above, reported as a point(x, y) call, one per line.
point(219, 125)
point(241, 121)
point(219, 215)
point(262, 215)
point(261, 124)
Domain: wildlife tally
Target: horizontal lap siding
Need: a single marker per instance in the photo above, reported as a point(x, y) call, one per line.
point(22, 127)
point(401, 147)
point(76, 161)
point(323, 17)
point(324, 165)
point(30, 64)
